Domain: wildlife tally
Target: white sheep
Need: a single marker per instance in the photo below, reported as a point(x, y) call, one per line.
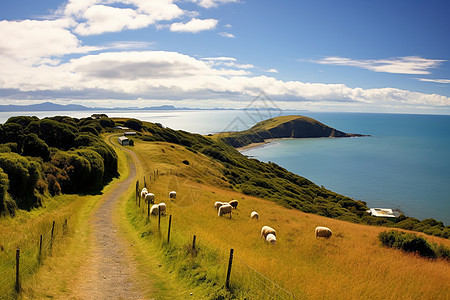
point(144, 192)
point(225, 209)
point(271, 239)
point(267, 230)
point(154, 210)
point(150, 197)
point(162, 208)
point(173, 195)
point(323, 232)
point(254, 215)
point(218, 204)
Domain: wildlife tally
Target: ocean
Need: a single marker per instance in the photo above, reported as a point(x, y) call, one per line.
point(404, 164)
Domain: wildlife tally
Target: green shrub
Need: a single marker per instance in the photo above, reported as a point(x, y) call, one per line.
point(412, 243)
point(34, 146)
point(133, 124)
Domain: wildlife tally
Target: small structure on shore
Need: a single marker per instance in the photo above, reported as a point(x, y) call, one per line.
point(129, 133)
point(383, 213)
point(123, 140)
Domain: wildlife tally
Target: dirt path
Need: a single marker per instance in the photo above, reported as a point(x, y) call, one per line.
point(109, 270)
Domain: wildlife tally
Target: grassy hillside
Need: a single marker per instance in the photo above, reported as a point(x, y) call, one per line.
point(281, 127)
point(352, 263)
point(236, 172)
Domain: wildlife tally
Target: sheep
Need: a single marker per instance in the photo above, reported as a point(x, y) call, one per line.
point(267, 230)
point(225, 209)
point(144, 192)
point(233, 203)
point(271, 239)
point(150, 197)
point(173, 195)
point(218, 204)
point(162, 208)
point(254, 215)
point(154, 210)
point(323, 232)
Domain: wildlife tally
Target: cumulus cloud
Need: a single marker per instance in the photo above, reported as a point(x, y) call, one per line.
point(99, 16)
point(172, 75)
point(272, 71)
point(194, 25)
point(398, 65)
point(33, 40)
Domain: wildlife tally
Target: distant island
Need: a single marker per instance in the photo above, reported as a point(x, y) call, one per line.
point(282, 127)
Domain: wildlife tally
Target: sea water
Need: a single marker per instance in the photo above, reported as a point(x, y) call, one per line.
point(404, 164)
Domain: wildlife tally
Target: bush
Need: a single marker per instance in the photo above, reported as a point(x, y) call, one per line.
point(133, 124)
point(412, 243)
point(34, 146)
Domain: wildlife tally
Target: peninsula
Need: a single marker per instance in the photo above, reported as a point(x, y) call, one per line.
point(282, 127)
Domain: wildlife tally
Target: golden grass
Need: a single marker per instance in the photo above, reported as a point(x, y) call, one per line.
point(351, 264)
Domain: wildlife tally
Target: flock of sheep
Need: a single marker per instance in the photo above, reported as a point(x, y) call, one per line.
point(268, 233)
point(223, 208)
point(159, 208)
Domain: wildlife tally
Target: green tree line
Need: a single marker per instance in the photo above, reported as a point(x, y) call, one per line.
point(45, 157)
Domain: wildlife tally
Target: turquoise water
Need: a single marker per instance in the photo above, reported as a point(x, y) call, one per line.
point(405, 164)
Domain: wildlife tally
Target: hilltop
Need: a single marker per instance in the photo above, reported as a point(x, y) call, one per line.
point(282, 127)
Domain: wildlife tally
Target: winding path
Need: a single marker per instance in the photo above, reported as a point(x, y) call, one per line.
point(109, 270)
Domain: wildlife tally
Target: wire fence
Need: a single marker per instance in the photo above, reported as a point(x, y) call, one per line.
point(32, 252)
point(244, 281)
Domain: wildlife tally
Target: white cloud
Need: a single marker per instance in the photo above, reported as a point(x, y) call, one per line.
point(272, 71)
point(398, 65)
point(227, 35)
point(172, 76)
point(194, 25)
point(434, 80)
point(227, 26)
point(212, 3)
point(100, 16)
point(32, 40)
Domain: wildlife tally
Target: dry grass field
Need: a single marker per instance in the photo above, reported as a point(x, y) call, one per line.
point(350, 265)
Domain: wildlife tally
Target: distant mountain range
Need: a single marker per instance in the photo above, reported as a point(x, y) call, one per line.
point(49, 106)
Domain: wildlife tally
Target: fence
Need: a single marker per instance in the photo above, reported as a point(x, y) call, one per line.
point(240, 278)
point(24, 258)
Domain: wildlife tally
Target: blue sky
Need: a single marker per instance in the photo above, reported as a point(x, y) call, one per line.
point(365, 56)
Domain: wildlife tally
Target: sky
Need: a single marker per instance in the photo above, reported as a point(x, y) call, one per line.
point(386, 56)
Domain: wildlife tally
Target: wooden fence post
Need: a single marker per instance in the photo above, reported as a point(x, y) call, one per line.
point(193, 242)
point(17, 286)
point(40, 249)
point(159, 218)
point(230, 262)
point(51, 237)
point(148, 210)
point(168, 232)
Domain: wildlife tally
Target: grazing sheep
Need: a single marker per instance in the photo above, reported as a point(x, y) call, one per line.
point(162, 208)
point(150, 197)
point(323, 232)
point(254, 215)
point(154, 210)
point(143, 193)
point(225, 209)
point(233, 203)
point(173, 195)
point(271, 239)
point(218, 204)
point(267, 230)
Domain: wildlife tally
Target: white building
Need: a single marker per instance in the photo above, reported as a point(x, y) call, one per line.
point(382, 212)
point(123, 140)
